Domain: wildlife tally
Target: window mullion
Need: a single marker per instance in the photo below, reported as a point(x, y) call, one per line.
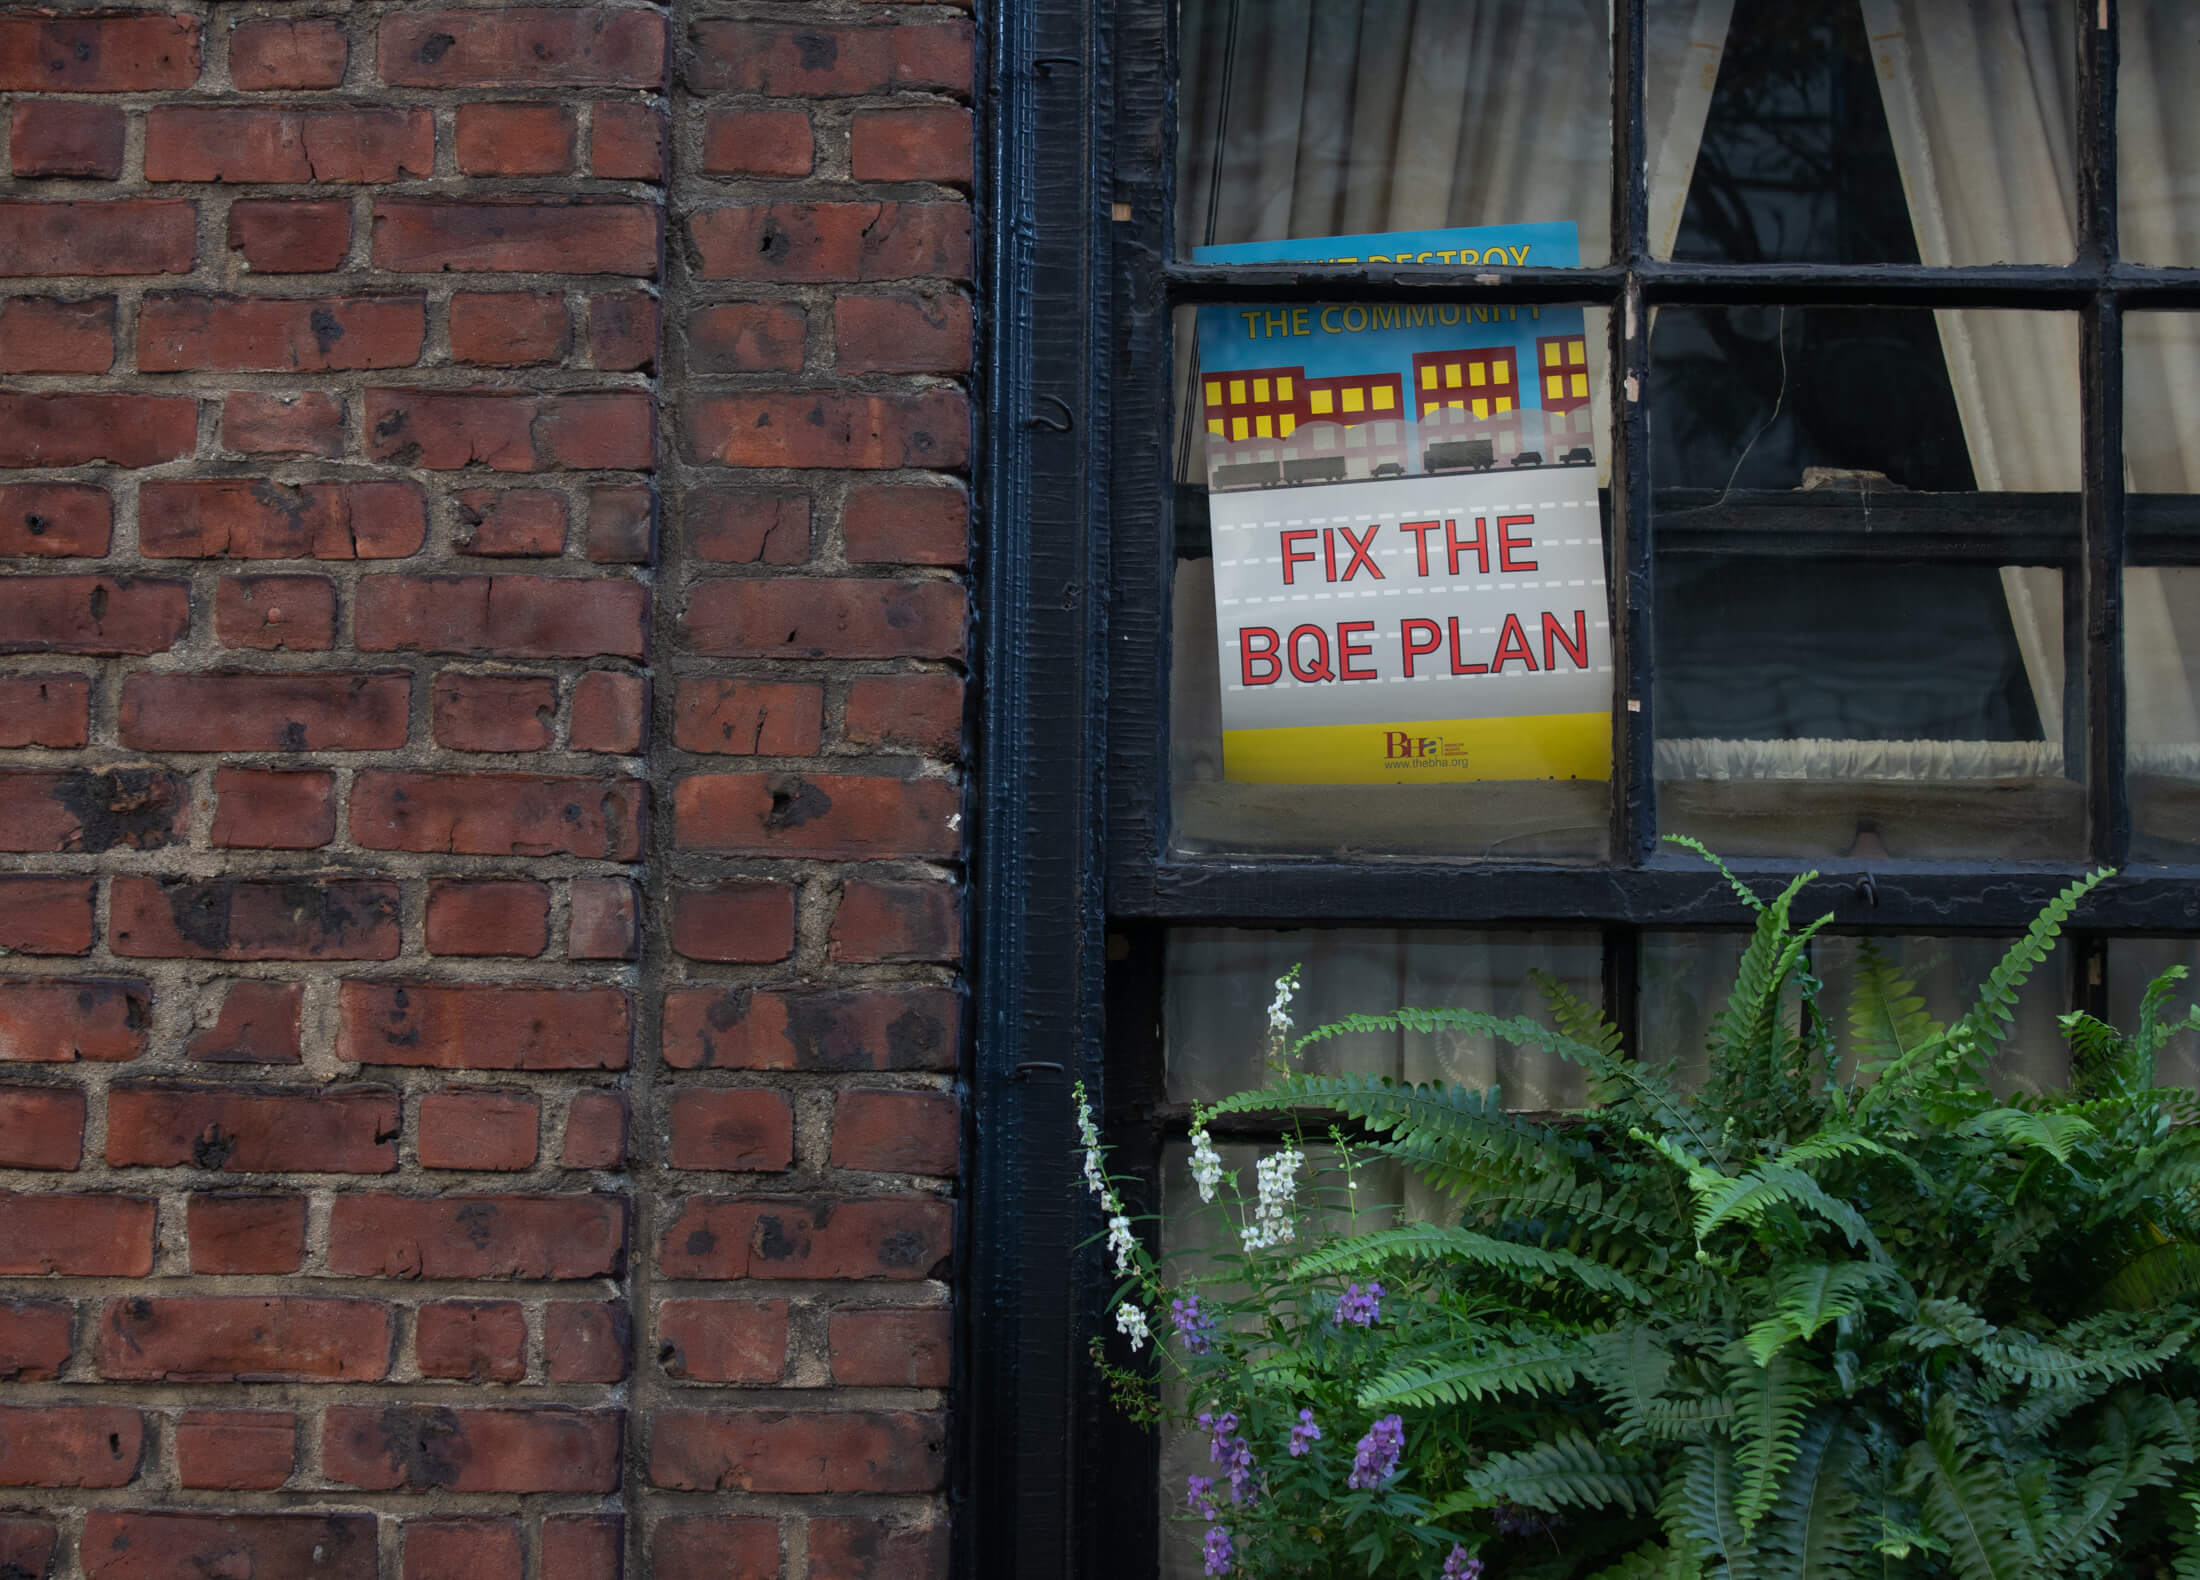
point(2102, 402)
point(1634, 784)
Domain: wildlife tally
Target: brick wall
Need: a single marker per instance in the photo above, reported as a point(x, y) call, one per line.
point(481, 706)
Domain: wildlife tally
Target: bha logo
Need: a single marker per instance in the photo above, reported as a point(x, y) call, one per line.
point(1397, 745)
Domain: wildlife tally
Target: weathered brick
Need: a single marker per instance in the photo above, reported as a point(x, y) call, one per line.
point(81, 809)
point(798, 1451)
point(463, 1549)
point(126, 52)
point(423, 1447)
point(622, 524)
point(703, 1547)
point(28, 1543)
point(471, 1340)
point(236, 1450)
point(879, 921)
point(259, 518)
point(610, 712)
point(856, 1547)
point(747, 337)
point(58, 1021)
point(139, 236)
point(897, 1132)
point(511, 521)
point(276, 614)
point(91, 614)
point(745, 1129)
point(50, 137)
point(493, 713)
point(246, 1234)
point(473, 1128)
point(827, 242)
point(604, 920)
point(830, 815)
point(622, 325)
point(258, 1023)
point(41, 1127)
point(824, 60)
point(595, 1131)
point(892, 334)
point(246, 1130)
point(584, 1341)
point(508, 329)
point(34, 1339)
point(275, 52)
point(561, 236)
point(894, 1237)
point(484, 1026)
point(923, 142)
point(45, 710)
point(128, 1544)
point(516, 139)
point(289, 235)
point(43, 334)
point(46, 915)
point(270, 809)
point(243, 1338)
point(446, 430)
point(283, 918)
point(76, 1236)
point(747, 528)
point(851, 1030)
point(515, 44)
point(740, 717)
point(813, 428)
point(826, 617)
point(283, 422)
point(56, 520)
point(627, 144)
point(58, 1445)
point(77, 430)
point(488, 916)
point(498, 814)
point(918, 713)
point(748, 923)
point(581, 1547)
point(375, 1235)
point(275, 334)
point(331, 146)
point(723, 1341)
point(757, 143)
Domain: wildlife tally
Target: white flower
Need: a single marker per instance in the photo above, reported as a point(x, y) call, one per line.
point(1278, 1184)
point(1206, 1164)
point(1131, 1319)
point(1121, 1241)
point(1096, 1178)
point(1279, 1011)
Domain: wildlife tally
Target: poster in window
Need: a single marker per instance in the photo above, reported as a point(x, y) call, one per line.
point(1408, 549)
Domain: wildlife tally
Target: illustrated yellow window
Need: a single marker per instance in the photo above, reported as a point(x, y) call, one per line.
point(1260, 390)
point(1263, 428)
point(1320, 402)
point(1554, 387)
point(1238, 428)
point(1214, 392)
point(1354, 400)
point(1214, 425)
point(1578, 354)
point(1451, 375)
point(1383, 399)
point(1237, 391)
point(1504, 404)
point(1287, 424)
point(1428, 375)
point(1283, 389)
point(1581, 383)
point(1481, 408)
point(1480, 375)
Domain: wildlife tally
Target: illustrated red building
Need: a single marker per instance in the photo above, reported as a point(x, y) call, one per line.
point(1275, 425)
point(1562, 373)
point(1467, 395)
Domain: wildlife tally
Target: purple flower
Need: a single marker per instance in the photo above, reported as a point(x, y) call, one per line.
point(1193, 1326)
point(1460, 1567)
point(1305, 1435)
point(1360, 1308)
point(1233, 1454)
point(1218, 1551)
point(1199, 1495)
point(1376, 1458)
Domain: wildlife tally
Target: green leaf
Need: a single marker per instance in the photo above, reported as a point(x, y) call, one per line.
point(1534, 1366)
point(1968, 1503)
point(1769, 1403)
point(1698, 1508)
point(1886, 1016)
point(1422, 1242)
point(1570, 1472)
point(1813, 1531)
point(2056, 1134)
point(1808, 1297)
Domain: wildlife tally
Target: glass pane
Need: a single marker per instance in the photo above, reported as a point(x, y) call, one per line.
point(1863, 519)
point(2133, 963)
point(2158, 132)
point(1685, 979)
point(1885, 131)
point(1220, 981)
point(2162, 584)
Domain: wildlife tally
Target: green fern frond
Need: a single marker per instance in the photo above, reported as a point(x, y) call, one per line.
point(1967, 1502)
point(1577, 1017)
point(1747, 1198)
point(1474, 1121)
point(2113, 1347)
point(1426, 1242)
point(2164, 1272)
point(1699, 1511)
point(1944, 1324)
point(1808, 1297)
point(1570, 1472)
point(1887, 1017)
point(1533, 1366)
point(1630, 1367)
point(2102, 1059)
point(1769, 1404)
point(1813, 1531)
point(1741, 890)
point(2139, 1441)
point(2056, 1134)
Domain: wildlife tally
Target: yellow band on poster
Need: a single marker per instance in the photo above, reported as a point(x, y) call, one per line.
point(1427, 751)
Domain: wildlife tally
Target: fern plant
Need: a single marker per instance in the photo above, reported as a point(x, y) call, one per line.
point(1839, 1314)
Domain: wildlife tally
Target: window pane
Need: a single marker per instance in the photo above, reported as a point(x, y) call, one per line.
point(2158, 132)
point(1220, 982)
point(1685, 979)
point(2133, 963)
point(1863, 518)
point(2162, 584)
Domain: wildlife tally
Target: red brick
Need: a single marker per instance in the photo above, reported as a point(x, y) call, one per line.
point(498, 815)
point(289, 235)
point(757, 143)
point(842, 816)
point(732, 1128)
point(605, 920)
point(581, 1547)
point(595, 1131)
point(494, 713)
point(46, 915)
point(90, 614)
point(243, 1338)
point(69, 1445)
point(745, 923)
point(488, 916)
point(610, 712)
point(433, 1447)
point(278, 53)
point(276, 614)
point(41, 1127)
point(259, 518)
point(622, 327)
point(448, 49)
point(919, 713)
point(703, 1547)
point(627, 143)
point(236, 1450)
point(750, 528)
point(137, 1545)
point(896, 1237)
point(28, 1544)
point(508, 328)
point(826, 617)
point(444, 431)
point(46, 1021)
point(268, 809)
point(48, 137)
point(584, 1341)
point(747, 337)
point(760, 718)
point(861, 1029)
point(246, 1234)
point(204, 143)
point(54, 520)
point(852, 1547)
point(798, 1451)
point(85, 810)
point(376, 1235)
point(127, 52)
point(622, 525)
point(482, 1026)
point(44, 710)
point(472, 1340)
point(41, 334)
point(258, 1024)
point(76, 430)
point(251, 712)
point(273, 334)
point(511, 521)
point(806, 60)
point(897, 1132)
point(891, 922)
point(34, 1344)
point(283, 422)
point(723, 1341)
point(461, 1550)
point(551, 236)
point(820, 242)
point(805, 428)
point(516, 139)
point(322, 1130)
point(76, 1236)
point(139, 236)
point(301, 918)
point(927, 142)
point(477, 1128)
point(889, 334)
